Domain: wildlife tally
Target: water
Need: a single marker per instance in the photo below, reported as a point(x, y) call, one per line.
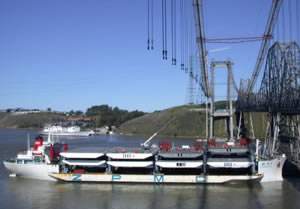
point(31, 194)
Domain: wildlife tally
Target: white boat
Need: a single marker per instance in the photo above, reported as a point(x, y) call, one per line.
point(37, 161)
point(57, 130)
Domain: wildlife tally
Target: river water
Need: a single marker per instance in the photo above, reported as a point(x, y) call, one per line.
point(30, 194)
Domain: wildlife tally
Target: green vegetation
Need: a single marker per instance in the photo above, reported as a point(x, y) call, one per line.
point(106, 115)
point(189, 122)
point(32, 120)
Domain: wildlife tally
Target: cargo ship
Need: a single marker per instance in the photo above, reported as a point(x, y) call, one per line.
point(208, 161)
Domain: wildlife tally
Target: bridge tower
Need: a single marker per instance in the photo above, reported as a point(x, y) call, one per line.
point(226, 113)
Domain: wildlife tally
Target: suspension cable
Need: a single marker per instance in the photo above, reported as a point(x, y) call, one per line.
point(283, 23)
point(181, 36)
point(297, 20)
point(290, 20)
point(172, 30)
point(152, 41)
point(186, 58)
point(148, 21)
point(175, 32)
point(165, 13)
point(163, 28)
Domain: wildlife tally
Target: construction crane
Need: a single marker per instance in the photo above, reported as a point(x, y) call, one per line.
point(265, 43)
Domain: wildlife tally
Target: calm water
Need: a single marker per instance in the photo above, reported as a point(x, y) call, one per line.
point(27, 194)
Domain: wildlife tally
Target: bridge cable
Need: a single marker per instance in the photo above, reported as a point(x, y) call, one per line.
point(163, 29)
point(290, 19)
point(297, 20)
point(181, 35)
point(173, 30)
point(283, 23)
point(186, 19)
point(148, 22)
point(165, 13)
point(175, 33)
point(152, 41)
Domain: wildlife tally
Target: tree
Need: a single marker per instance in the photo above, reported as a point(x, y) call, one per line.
point(71, 112)
point(79, 113)
point(107, 115)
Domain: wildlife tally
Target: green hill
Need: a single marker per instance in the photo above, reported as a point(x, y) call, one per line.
point(189, 122)
point(34, 120)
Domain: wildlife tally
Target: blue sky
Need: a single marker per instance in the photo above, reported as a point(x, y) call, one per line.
point(72, 54)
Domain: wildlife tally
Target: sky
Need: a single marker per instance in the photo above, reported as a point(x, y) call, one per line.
point(73, 54)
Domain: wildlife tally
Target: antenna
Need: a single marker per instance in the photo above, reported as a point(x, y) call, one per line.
point(49, 135)
point(28, 141)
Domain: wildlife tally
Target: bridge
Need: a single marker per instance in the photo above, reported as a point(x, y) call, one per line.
point(274, 87)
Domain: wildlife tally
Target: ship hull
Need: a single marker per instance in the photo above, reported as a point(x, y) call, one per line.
point(159, 179)
point(272, 168)
point(32, 170)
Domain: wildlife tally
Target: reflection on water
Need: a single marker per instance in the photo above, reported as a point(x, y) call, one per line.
point(27, 194)
point(42, 194)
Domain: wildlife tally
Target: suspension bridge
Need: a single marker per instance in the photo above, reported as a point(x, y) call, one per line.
point(273, 88)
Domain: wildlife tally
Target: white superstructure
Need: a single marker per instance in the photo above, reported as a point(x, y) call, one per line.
point(37, 161)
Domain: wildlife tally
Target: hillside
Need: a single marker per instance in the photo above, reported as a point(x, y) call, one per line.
point(36, 120)
point(189, 122)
